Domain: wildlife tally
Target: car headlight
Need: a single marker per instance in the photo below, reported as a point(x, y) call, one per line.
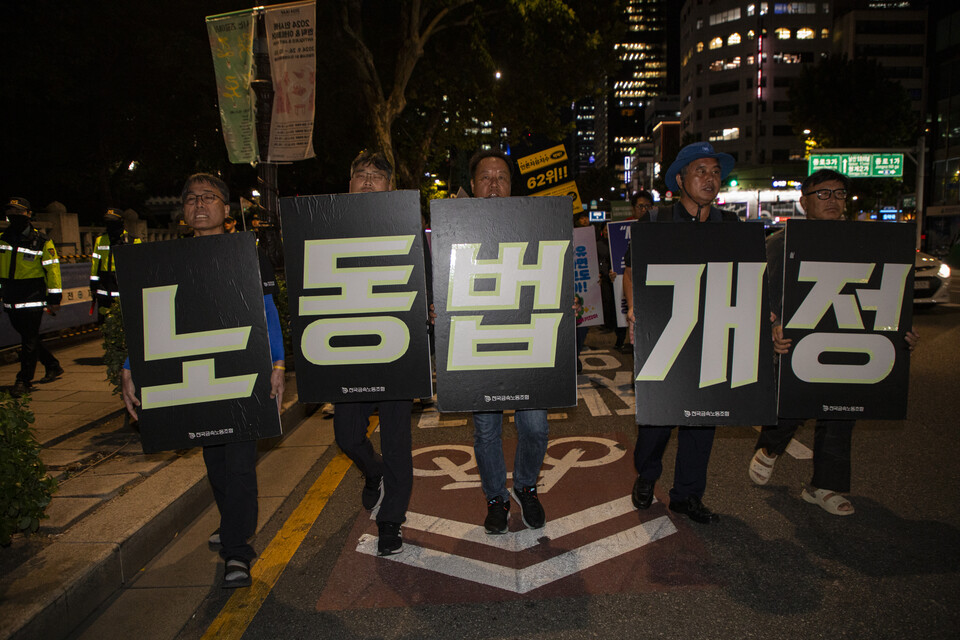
point(944, 271)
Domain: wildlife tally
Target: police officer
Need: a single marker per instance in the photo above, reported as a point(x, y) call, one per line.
point(103, 269)
point(29, 282)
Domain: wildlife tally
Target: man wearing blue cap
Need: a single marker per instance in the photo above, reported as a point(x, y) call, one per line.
point(696, 174)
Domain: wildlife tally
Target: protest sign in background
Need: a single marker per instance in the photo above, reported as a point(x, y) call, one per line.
point(618, 234)
point(586, 277)
point(848, 291)
point(197, 339)
point(357, 294)
point(703, 352)
point(503, 289)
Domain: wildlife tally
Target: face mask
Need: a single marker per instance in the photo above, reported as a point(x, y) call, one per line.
point(18, 223)
point(115, 227)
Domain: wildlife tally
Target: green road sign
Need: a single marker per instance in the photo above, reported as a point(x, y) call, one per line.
point(859, 165)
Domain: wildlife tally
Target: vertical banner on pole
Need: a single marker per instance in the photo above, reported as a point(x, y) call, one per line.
point(197, 338)
point(618, 234)
point(703, 348)
point(231, 42)
point(291, 42)
point(847, 292)
point(503, 290)
point(357, 296)
point(586, 277)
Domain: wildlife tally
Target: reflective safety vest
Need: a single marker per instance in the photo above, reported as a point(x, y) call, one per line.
point(103, 269)
point(29, 271)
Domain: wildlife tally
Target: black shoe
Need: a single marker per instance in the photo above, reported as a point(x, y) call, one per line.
point(372, 492)
point(20, 388)
point(498, 510)
point(694, 509)
point(579, 365)
point(531, 511)
point(626, 349)
point(642, 493)
point(390, 540)
point(52, 374)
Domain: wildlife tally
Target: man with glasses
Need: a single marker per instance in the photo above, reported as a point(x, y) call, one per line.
point(388, 478)
point(824, 195)
point(231, 467)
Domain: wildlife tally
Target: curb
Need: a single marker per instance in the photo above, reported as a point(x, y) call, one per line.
point(55, 591)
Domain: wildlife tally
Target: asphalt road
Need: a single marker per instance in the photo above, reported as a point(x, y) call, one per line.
point(773, 567)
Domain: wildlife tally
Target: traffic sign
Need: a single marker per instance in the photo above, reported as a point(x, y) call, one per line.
point(859, 165)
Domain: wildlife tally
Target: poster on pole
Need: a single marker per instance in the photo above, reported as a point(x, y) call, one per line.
point(356, 286)
point(586, 277)
point(231, 43)
point(291, 43)
point(618, 235)
point(503, 290)
point(703, 353)
point(847, 303)
point(547, 173)
point(197, 340)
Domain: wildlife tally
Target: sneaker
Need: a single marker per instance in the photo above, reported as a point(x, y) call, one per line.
point(531, 510)
point(52, 374)
point(498, 510)
point(20, 388)
point(372, 492)
point(214, 539)
point(390, 540)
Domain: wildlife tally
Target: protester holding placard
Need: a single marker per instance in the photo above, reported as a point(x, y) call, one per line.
point(490, 178)
point(231, 467)
point(824, 198)
point(697, 174)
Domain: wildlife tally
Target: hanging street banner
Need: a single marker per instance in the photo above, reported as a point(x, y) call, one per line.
point(586, 277)
point(703, 353)
point(618, 235)
point(547, 173)
point(847, 303)
point(357, 296)
point(197, 338)
point(291, 42)
point(231, 42)
point(503, 291)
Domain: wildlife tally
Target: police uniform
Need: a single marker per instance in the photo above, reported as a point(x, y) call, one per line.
point(29, 281)
point(103, 269)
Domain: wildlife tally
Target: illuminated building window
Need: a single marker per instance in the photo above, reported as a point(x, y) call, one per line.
point(699, 47)
point(751, 9)
point(824, 33)
point(716, 43)
point(783, 33)
point(751, 35)
point(718, 135)
point(805, 34)
point(735, 39)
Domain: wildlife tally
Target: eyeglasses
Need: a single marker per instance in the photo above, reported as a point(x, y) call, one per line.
point(642, 205)
point(373, 176)
point(824, 194)
point(207, 198)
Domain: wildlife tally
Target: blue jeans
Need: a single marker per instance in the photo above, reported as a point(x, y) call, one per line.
point(532, 433)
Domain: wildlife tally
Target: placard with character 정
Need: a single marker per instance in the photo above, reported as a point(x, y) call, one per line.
point(703, 352)
point(503, 289)
point(196, 333)
point(358, 299)
point(847, 305)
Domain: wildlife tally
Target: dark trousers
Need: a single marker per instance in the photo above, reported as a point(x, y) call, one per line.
point(232, 471)
point(26, 322)
point(693, 456)
point(350, 420)
point(831, 449)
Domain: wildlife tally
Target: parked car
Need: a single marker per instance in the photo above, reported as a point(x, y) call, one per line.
point(931, 280)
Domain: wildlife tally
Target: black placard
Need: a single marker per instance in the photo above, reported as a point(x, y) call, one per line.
point(703, 353)
point(196, 334)
point(505, 328)
point(846, 306)
point(358, 298)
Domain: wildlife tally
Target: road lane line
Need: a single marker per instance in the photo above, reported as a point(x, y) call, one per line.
point(243, 605)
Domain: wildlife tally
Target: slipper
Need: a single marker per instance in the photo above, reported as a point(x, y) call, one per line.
point(236, 573)
point(761, 467)
point(831, 501)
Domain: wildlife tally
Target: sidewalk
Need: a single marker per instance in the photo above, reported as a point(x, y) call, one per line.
point(115, 507)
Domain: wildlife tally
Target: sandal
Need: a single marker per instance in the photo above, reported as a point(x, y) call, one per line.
point(761, 467)
point(236, 573)
point(831, 501)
